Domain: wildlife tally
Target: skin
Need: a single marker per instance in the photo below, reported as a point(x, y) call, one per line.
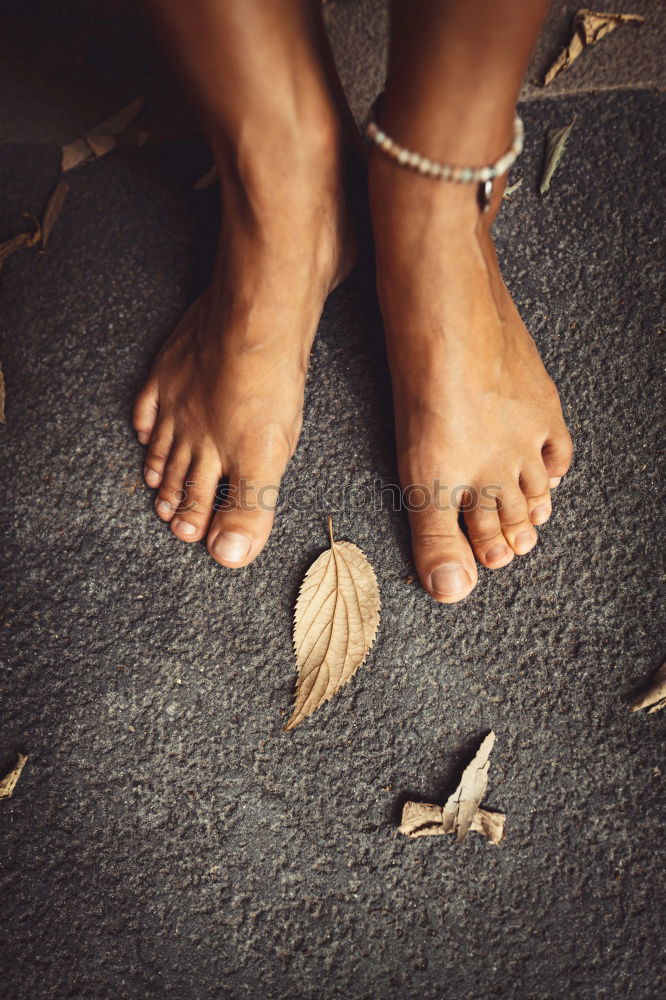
point(478, 420)
point(225, 396)
point(474, 404)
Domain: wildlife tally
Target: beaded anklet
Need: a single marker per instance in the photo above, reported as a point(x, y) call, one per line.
point(483, 176)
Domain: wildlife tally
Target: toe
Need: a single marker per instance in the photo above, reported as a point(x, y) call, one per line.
point(240, 528)
point(540, 508)
point(557, 454)
point(144, 413)
point(517, 527)
point(194, 514)
point(535, 484)
point(157, 455)
point(442, 554)
point(485, 535)
point(172, 494)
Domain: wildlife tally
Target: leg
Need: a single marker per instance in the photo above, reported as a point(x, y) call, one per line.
point(225, 395)
point(477, 417)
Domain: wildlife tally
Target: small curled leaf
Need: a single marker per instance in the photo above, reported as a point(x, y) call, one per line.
point(588, 28)
point(10, 781)
point(654, 699)
point(555, 143)
point(461, 812)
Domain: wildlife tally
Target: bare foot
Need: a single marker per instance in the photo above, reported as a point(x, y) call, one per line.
point(478, 420)
point(225, 396)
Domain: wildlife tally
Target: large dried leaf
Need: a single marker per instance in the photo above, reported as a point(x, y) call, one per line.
point(2, 396)
point(102, 138)
point(420, 819)
point(20, 241)
point(53, 210)
point(588, 27)
point(9, 782)
point(459, 811)
point(654, 698)
point(555, 144)
point(336, 620)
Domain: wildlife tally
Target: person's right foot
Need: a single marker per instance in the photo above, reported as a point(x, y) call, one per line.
point(225, 396)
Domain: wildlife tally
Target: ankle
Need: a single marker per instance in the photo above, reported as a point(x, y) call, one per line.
point(466, 132)
point(270, 154)
point(406, 206)
point(283, 191)
point(466, 146)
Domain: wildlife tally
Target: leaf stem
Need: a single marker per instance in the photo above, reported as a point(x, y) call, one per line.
point(330, 530)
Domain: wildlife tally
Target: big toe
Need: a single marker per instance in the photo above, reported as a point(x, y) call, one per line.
point(557, 454)
point(241, 526)
point(442, 555)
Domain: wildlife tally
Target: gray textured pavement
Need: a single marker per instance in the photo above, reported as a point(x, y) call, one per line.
point(167, 839)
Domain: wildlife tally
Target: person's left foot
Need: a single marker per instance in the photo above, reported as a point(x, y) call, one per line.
point(478, 420)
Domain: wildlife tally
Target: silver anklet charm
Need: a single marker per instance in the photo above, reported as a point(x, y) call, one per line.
point(483, 176)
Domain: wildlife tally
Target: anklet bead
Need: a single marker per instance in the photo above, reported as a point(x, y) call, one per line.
point(504, 164)
point(484, 176)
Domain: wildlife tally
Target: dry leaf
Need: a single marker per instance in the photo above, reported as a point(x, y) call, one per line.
point(510, 188)
point(460, 808)
point(489, 824)
point(53, 210)
point(21, 240)
point(336, 620)
point(101, 144)
point(8, 783)
point(461, 812)
point(420, 819)
point(2, 396)
point(207, 180)
point(555, 143)
point(655, 698)
point(102, 138)
point(74, 153)
point(589, 27)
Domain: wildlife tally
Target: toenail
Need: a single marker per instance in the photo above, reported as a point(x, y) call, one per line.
point(151, 477)
point(497, 552)
point(164, 508)
point(184, 527)
point(555, 481)
point(449, 579)
point(143, 437)
point(540, 514)
point(232, 546)
point(524, 539)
